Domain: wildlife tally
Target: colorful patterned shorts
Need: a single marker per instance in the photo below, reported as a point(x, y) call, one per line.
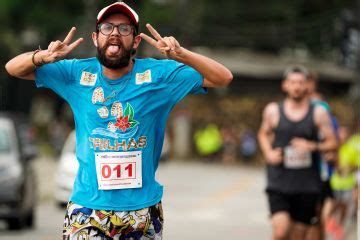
point(83, 223)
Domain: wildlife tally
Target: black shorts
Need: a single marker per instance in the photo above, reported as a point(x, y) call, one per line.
point(301, 207)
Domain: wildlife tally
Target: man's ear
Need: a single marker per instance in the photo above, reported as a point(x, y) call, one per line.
point(137, 41)
point(94, 36)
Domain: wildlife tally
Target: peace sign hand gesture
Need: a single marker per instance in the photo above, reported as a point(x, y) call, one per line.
point(59, 50)
point(168, 46)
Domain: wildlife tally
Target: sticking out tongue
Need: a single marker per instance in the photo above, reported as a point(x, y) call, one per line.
point(113, 49)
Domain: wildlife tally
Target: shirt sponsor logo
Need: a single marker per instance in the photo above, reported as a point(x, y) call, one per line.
point(104, 144)
point(88, 79)
point(144, 77)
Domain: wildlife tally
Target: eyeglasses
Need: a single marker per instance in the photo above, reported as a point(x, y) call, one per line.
point(123, 29)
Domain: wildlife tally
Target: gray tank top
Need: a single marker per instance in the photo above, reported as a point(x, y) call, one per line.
point(289, 176)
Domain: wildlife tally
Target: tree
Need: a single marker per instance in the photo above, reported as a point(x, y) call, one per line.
point(24, 26)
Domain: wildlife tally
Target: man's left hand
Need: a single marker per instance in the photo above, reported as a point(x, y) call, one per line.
point(303, 144)
point(168, 46)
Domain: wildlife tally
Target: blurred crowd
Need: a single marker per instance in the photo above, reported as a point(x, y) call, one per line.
point(224, 144)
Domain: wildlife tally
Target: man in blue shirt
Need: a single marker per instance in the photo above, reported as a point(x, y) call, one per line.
point(120, 105)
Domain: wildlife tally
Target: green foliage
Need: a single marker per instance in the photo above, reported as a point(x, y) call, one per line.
point(50, 18)
point(162, 16)
point(271, 24)
point(47, 20)
point(258, 24)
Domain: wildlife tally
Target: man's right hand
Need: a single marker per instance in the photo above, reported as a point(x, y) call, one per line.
point(22, 66)
point(57, 50)
point(274, 156)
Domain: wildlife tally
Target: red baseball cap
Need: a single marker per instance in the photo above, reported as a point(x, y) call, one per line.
point(118, 7)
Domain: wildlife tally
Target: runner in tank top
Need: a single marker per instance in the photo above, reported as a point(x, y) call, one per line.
point(288, 137)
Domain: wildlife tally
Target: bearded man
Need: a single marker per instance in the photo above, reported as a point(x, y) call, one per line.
point(120, 105)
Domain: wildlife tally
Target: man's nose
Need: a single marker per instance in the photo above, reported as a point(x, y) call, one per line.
point(115, 32)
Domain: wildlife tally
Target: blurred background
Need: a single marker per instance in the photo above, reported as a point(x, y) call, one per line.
point(212, 168)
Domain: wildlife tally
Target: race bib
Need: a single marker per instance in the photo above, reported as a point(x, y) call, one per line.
point(296, 159)
point(118, 170)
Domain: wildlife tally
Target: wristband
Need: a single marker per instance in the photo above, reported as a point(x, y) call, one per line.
point(33, 59)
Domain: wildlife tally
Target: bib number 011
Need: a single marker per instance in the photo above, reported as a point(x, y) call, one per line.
point(119, 170)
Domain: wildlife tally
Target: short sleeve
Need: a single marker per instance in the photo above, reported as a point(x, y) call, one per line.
point(182, 80)
point(56, 76)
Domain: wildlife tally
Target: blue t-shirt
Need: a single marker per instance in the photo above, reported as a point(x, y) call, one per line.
point(121, 115)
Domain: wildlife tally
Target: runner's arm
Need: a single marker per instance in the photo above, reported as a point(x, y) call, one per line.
point(326, 130)
point(23, 66)
point(266, 135)
point(214, 73)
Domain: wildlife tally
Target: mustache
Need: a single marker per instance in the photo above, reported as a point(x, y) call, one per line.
point(114, 41)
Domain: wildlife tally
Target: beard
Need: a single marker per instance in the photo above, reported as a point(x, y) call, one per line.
point(117, 62)
point(297, 97)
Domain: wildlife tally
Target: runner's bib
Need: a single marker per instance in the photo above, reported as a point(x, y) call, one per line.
point(296, 159)
point(118, 170)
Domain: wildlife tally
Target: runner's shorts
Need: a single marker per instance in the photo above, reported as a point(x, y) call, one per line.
point(301, 207)
point(84, 223)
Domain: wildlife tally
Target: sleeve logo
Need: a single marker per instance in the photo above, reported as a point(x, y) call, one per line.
point(144, 77)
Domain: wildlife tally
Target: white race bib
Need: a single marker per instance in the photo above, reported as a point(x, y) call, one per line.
point(118, 170)
point(296, 159)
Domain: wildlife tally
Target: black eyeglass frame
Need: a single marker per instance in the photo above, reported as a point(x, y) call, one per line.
point(133, 29)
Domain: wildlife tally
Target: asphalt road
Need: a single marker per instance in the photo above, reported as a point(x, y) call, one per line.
point(201, 201)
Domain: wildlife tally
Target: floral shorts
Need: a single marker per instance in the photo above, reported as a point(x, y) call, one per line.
point(83, 223)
